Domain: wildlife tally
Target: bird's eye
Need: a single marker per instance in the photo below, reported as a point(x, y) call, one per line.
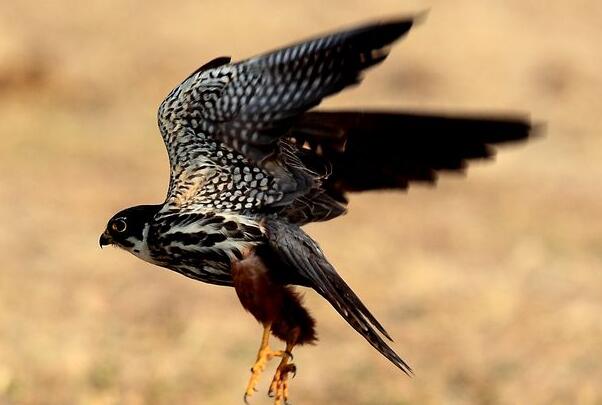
point(119, 225)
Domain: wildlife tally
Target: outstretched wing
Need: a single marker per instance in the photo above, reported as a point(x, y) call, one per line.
point(300, 261)
point(250, 105)
point(389, 150)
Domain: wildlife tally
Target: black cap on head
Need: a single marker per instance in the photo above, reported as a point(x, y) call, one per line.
point(128, 224)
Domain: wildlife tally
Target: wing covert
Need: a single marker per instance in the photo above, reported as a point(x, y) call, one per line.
point(249, 106)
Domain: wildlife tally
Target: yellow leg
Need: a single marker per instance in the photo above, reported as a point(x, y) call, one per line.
point(264, 355)
point(279, 386)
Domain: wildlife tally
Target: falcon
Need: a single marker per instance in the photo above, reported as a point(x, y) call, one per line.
point(251, 162)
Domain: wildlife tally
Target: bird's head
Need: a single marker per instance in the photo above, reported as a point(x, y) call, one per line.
point(126, 229)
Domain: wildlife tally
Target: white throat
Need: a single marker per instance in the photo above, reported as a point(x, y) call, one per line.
point(140, 248)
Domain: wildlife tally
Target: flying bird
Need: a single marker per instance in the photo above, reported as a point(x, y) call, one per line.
point(251, 162)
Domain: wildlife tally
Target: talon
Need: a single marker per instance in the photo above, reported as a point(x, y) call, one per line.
point(279, 386)
point(264, 355)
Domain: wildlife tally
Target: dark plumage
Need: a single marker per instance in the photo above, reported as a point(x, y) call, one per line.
point(250, 164)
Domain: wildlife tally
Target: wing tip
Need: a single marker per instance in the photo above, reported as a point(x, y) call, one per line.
point(520, 129)
point(382, 33)
point(405, 367)
point(392, 356)
point(537, 129)
point(404, 23)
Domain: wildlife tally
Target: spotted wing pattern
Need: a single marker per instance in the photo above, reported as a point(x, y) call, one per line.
point(225, 127)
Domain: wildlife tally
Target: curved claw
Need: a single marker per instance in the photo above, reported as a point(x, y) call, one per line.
point(245, 397)
point(279, 387)
point(264, 356)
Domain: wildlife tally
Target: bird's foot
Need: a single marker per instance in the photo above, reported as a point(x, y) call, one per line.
point(279, 386)
point(263, 357)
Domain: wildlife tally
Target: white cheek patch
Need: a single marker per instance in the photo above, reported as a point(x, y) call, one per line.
point(140, 248)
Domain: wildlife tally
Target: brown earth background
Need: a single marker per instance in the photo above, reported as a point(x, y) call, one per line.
point(490, 284)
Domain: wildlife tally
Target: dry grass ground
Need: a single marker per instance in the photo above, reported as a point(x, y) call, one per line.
point(491, 284)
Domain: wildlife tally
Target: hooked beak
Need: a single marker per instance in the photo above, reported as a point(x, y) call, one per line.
point(105, 239)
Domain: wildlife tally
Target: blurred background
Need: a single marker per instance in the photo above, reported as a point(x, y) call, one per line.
point(491, 283)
